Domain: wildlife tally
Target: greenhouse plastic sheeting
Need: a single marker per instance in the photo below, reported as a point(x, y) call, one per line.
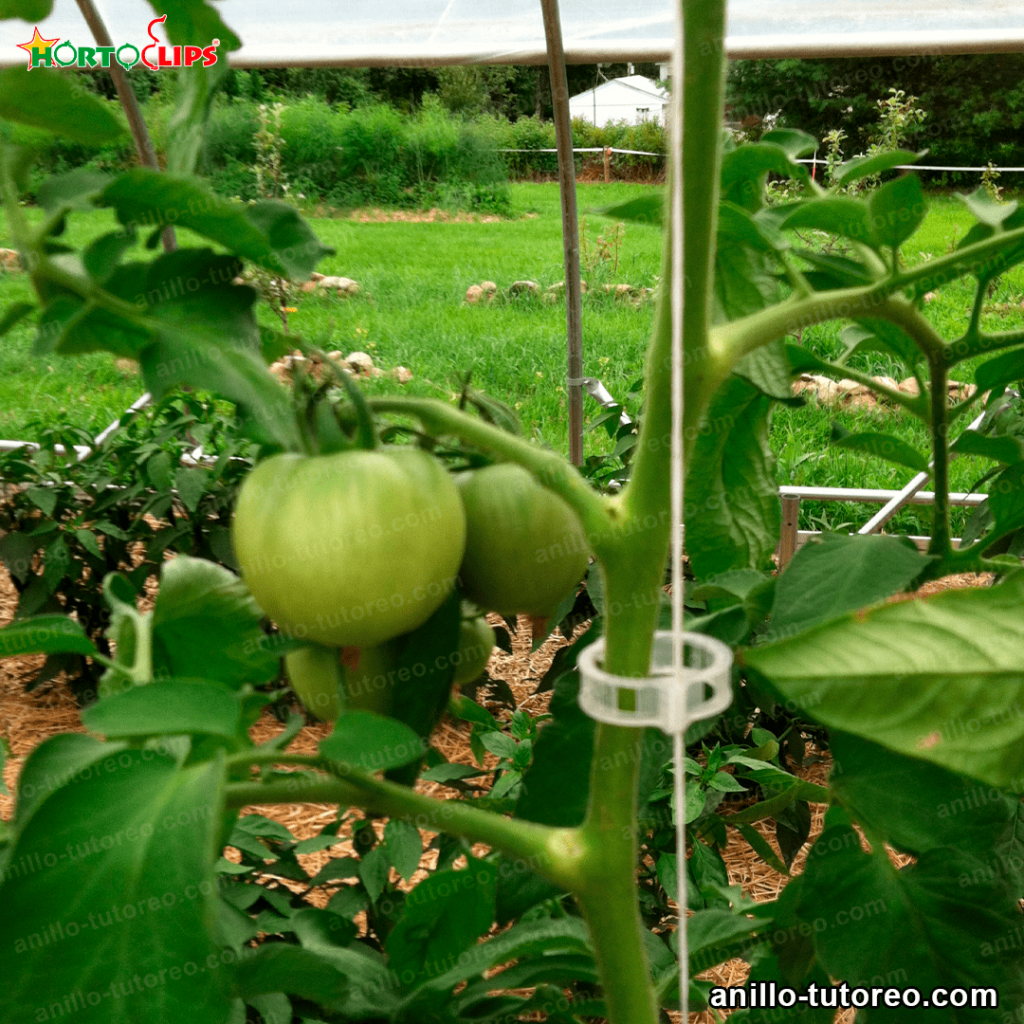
point(431, 32)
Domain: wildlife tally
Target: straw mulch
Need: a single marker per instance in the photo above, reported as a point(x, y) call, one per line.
point(26, 719)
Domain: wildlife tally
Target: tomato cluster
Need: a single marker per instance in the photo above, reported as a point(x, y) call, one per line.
point(356, 548)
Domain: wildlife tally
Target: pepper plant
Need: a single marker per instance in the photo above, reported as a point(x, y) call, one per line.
point(117, 902)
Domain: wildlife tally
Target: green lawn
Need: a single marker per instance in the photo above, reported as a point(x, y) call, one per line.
point(411, 312)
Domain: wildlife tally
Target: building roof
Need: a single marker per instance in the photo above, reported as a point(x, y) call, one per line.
point(644, 88)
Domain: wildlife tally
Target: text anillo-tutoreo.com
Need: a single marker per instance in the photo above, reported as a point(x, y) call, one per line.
point(767, 995)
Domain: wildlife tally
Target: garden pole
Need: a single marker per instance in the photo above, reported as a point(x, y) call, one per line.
point(130, 104)
point(570, 226)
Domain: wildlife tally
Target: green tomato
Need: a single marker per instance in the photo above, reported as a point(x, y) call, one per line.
point(369, 686)
point(525, 548)
point(476, 641)
point(316, 677)
point(349, 549)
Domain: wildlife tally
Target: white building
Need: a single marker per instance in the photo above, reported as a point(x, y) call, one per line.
point(632, 99)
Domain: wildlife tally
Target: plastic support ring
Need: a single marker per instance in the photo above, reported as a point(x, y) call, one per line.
point(659, 699)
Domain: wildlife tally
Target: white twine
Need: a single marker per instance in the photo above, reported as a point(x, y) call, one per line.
point(676, 486)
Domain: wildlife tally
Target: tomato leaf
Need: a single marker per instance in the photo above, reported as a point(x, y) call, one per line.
point(44, 98)
point(937, 678)
point(166, 707)
point(897, 210)
point(206, 625)
point(270, 234)
point(882, 446)
point(442, 917)
point(371, 742)
point(134, 832)
point(404, 845)
point(839, 574)
point(915, 805)
point(924, 922)
point(44, 634)
point(733, 513)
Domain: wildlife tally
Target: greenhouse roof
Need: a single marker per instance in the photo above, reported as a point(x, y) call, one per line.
point(432, 32)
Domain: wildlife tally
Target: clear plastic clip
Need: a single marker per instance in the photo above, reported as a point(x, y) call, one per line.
point(658, 699)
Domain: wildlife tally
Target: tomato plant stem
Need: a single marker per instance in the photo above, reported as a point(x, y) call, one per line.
point(542, 847)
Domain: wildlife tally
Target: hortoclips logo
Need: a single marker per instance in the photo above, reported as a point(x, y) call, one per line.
point(50, 53)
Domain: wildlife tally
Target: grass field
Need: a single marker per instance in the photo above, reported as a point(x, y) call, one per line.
point(411, 312)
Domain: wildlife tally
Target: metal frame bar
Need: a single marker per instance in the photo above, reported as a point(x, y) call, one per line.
point(792, 538)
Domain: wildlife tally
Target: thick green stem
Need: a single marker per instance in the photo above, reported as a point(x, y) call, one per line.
point(549, 851)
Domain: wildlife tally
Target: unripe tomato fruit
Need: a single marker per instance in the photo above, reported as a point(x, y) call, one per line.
point(316, 678)
point(476, 641)
point(349, 549)
point(525, 548)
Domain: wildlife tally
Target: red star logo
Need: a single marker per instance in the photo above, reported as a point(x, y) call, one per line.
point(36, 45)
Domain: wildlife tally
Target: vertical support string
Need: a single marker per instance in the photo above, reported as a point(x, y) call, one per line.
point(677, 228)
point(677, 486)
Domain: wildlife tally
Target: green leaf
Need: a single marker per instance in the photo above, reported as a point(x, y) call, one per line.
point(839, 574)
point(27, 10)
point(371, 742)
point(158, 469)
point(936, 678)
point(897, 210)
point(557, 783)
point(75, 190)
point(13, 315)
point(870, 921)
point(987, 210)
point(760, 846)
point(404, 845)
point(371, 991)
point(864, 166)
point(837, 215)
point(647, 209)
point(373, 872)
point(191, 484)
point(421, 671)
point(44, 498)
point(166, 707)
point(733, 513)
point(46, 99)
point(1005, 449)
point(44, 634)
point(270, 234)
point(237, 375)
point(206, 626)
point(745, 169)
point(442, 917)
point(1006, 498)
point(88, 541)
point(714, 936)
point(882, 446)
point(767, 368)
point(795, 142)
point(877, 335)
point(53, 764)
point(529, 939)
point(915, 805)
point(279, 967)
point(127, 893)
point(56, 563)
point(102, 255)
point(1000, 371)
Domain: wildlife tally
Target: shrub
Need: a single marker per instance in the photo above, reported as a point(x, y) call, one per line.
point(67, 523)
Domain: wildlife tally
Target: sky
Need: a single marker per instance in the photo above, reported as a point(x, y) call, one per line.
point(413, 31)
